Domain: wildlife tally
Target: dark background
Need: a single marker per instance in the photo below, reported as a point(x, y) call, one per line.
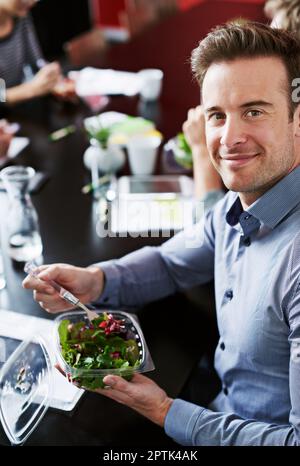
point(58, 21)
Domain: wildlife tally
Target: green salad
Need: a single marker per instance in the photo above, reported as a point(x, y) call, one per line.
point(183, 152)
point(95, 349)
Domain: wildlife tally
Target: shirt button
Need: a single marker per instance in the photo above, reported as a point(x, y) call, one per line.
point(222, 346)
point(229, 294)
point(247, 217)
point(225, 391)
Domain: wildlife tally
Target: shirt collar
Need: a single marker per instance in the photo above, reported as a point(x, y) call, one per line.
point(271, 207)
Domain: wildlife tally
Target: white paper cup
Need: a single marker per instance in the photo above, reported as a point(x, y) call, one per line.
point(142, 154)
point(150, 83)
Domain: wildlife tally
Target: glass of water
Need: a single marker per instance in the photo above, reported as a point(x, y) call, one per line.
point(24, 239)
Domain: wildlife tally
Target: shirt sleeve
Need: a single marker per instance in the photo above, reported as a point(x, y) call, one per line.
point(152, 273)
point(189, 424)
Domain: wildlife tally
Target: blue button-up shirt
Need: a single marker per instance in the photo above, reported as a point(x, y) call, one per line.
point(254, 257)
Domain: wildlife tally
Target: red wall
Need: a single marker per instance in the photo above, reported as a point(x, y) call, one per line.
point(185, 4)
point(106, 11)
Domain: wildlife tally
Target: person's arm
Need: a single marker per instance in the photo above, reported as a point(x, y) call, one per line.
point(19, 93)
point(206, 177)
point(145, 275)
point(41, 84)
point(153, 273)
point(189, 424)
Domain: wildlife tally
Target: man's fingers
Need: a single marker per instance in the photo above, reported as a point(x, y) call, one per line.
point(50, 304)
point(116, 396)
point(117, 383)
point(32, 283)
point(131, 388)
point(59, 368)
point(50, 273)
point(199, 110)
point(185, 126)
point(190, 114)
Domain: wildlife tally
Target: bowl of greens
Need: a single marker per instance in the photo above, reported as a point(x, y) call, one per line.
point(181, 151)
point(112, 343)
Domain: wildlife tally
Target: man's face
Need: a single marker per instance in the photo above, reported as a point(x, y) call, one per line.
point(249, 135)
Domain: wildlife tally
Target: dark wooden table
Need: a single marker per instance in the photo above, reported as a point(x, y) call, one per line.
point(175, 331)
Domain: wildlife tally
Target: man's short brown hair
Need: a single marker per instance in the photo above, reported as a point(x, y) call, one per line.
point(248, 40)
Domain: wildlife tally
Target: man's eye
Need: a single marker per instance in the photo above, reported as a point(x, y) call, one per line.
point(253, 113)
point(216, 116)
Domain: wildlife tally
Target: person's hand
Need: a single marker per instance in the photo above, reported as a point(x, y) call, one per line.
point(205, 176)
point(5, 138)
point(141, 394)
point(194, 128)
point(46, 79)
point(65, 89)
point(85, 283)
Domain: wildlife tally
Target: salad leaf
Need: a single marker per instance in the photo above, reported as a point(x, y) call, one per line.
point(183, 144)
point(63, 331)
point(183, 152)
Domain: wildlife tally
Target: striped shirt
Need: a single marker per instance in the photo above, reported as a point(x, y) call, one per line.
point(19, 51)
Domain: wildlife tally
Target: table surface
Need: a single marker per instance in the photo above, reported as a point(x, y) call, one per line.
point(172, 327)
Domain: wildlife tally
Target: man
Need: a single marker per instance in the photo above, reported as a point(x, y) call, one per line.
point(251, 244)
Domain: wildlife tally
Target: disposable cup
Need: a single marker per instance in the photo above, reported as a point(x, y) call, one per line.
point(150, 83)
point(142, 154)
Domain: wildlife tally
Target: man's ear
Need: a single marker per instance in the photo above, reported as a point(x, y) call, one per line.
point(296, 122)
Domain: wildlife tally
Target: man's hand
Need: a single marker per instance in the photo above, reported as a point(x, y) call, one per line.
point(141, 394)
point(85, 283)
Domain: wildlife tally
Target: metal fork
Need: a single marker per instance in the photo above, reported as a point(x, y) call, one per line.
point(32, 269)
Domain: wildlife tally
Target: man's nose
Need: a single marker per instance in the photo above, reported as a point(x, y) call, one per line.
point(232, 133)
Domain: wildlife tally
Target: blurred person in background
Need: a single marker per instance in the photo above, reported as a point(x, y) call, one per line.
point(284, 14)
point(208, 183)
point(21, 56)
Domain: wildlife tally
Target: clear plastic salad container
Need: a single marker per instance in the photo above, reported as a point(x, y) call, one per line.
point(25, 387)
point(88, 351)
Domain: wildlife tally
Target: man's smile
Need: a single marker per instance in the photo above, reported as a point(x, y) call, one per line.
point(238, 160)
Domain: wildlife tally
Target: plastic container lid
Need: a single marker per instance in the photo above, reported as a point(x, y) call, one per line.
point(25, 389)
